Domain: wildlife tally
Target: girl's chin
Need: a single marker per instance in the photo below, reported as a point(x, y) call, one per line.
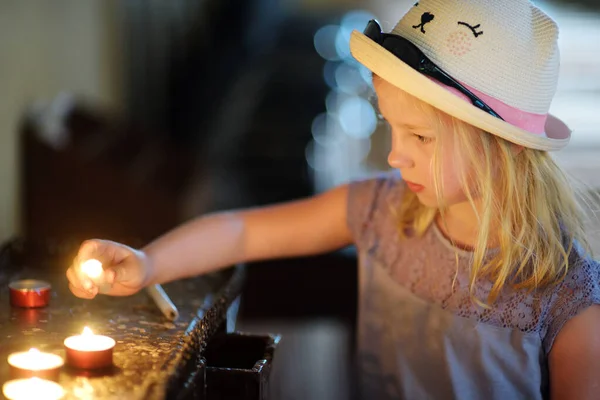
point(427, 200)
point(431, 200)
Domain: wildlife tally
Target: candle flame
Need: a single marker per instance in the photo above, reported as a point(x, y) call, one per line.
point(92, 268)
point(34, 360)
point(87, 332)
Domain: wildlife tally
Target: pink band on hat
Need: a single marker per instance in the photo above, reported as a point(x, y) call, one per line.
point(530, 122)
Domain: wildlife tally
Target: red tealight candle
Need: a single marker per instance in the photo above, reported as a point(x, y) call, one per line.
point(29, 293)
point(32, 363)
point(89, 351)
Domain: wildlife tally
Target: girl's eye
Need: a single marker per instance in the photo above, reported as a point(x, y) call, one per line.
point(423, 139)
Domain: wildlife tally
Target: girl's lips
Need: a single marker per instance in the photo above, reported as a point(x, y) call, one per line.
point(415, 187)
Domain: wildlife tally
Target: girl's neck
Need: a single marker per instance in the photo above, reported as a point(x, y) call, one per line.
point(460, 225)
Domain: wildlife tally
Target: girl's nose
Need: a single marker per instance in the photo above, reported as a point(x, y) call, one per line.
point(398, 159)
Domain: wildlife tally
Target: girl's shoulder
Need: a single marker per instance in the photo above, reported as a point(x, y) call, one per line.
point(374, 182)
point(579, 290)
point(370, 199)
point(372, 190)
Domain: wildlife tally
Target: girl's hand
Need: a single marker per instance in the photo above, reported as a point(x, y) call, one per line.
point(126, 270)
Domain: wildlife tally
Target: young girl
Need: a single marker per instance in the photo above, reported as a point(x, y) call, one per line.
point(474, 281)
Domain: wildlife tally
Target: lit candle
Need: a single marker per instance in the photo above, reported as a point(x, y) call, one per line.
point(93, 269)
point(89, 351)
point(32, 388)
point(35, 363)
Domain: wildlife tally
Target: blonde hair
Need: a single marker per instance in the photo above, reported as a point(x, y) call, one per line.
point(524, 196)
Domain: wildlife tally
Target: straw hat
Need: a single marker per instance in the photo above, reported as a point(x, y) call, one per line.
point(493, 64)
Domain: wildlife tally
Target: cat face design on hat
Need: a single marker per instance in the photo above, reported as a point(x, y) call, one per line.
point(506, 49)
point(458, 41)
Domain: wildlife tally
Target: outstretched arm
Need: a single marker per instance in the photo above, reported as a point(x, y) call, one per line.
point(305, 227)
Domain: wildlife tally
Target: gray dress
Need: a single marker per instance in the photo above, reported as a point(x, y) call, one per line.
point(419, 334)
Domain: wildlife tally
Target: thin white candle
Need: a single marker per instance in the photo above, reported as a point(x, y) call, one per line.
point(87, 341)
point(35, 360)
point(32, 388)
point(163, 302)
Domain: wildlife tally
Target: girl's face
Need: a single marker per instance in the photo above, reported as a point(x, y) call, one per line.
point(414, 136)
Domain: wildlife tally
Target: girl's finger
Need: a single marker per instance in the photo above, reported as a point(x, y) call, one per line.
point(84, 294)
point(74, 279)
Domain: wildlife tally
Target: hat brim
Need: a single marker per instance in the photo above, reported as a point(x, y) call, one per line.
point(390, 68)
